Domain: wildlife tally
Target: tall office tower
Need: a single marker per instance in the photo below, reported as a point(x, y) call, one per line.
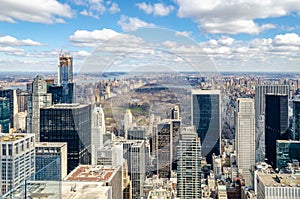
point(69, 123)
point(137, 168)
point(9, 94)
point(206, 117)
point(38, 99)
point(296, 120)
point(50, 161)
point(127, 120)
point(260, 92)
point(276, 124)
point(4, 114)
point(17, 160)
point(22, 100)
point(245, 137)
point(286, 152)
point(189, 165)
point(175, 113)
point(98, 129)
point(65, 69)
point(136, 133)
point(164, 140)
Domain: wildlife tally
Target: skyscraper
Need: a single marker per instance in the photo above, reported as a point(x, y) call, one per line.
point(98, 129)
point(65, 69)
point(296, 120)
point(17, 160)
point(69, 123)
point(206, 117)
point(260, 104)
point(276, 123)
point(286, 151)
point(137, 168)
point(38, 99)
point(189, 165)
point(175, 113)
point(245, 136)
point(127, 120)
point(4, 114)
point(9, 94)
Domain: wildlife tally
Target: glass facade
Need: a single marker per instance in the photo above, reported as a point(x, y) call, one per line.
point(276, 124)
point(286, 151)
point(9, 94)
point(206, 119)
point(296, 120)
point(69, 123)
point(5, 114)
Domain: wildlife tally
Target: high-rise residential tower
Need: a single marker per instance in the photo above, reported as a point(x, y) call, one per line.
point(245, 136)
point(189, 165)
point(296, 120)
point(4, 115)
point(127, 120)
point(65, 69)
point(69, 123)
point(276, 124)
point(206, 117)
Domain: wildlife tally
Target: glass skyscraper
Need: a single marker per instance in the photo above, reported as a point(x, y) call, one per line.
point(69, 123)
point(206, 117)
point(276, 123)
point(4, 114)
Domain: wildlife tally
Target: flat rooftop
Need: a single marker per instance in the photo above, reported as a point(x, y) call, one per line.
point(62, 189)
point(288, 141)
point(159, 194)
point(98, 173)
point(205, 92)
point(6, 137)
point(66, 106)
point(280, 180)
point(50, 144)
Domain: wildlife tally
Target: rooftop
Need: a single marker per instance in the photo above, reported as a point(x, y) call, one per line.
point(50, 144)
point(280, 180)
point(205, 92)
point(160, 194)
point(98, 173)
point(66, 106)
point(5, 137)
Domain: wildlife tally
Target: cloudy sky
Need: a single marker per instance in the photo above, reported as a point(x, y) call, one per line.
point(237, 35)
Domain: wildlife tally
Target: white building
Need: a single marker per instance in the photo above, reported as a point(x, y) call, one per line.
point(245, 137)
point(189, 165)
point(98, 129)
point(17, 160)
point(127, 120)
point(279, 186)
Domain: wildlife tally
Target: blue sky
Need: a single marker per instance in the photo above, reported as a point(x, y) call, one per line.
point(238, 35)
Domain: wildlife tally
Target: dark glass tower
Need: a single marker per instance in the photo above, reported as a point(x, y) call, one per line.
point(206, 117)
point(69, 123)
point(9, 94)
point(4, 114)
point(296, 120)
point(276, 124)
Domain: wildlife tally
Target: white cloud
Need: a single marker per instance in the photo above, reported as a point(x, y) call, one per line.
point(132, 23)
point(158, 9)
point(236, 16)
point(183, 33)
point(11, 41)
point(95, 8)
point(40, 11)
point(12, 51)
point(291, 39)
point(114, 8)
point(91, 38)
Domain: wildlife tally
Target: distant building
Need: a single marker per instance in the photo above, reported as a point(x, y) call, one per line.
point(286, 151)
point(296, 120)
point(270, 186)
point(98, 129)
point(4, 114)
point(17, 161)
point(136, 133)
point(10, 95)
point(245, 137)
point(51, 161)
point(109, 175)
point(206, 117)
point(65, 69)
point(69, 123)
point(127, 120)
point(189, 165)
point(175, 113)
point(276, 124)
point(39, 98)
